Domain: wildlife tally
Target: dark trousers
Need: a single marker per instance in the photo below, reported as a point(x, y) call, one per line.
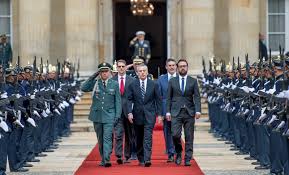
point(144, 135)
point(188, 122)
point(170, 149)
point(3, 151)
point(123, 128)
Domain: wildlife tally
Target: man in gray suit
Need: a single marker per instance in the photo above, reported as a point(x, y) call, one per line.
point(183, 106)
point(123, 126)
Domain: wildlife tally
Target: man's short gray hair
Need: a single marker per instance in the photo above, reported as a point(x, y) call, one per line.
point(142, 65)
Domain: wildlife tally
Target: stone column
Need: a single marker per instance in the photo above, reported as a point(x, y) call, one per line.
point(81, 33)
point(175, 32)
point(244, 28)
point(221, 36)
point(34, 29)
point(198, 32)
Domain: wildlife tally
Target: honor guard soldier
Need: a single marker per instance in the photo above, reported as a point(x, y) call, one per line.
point(141, 46)
point(105, 109)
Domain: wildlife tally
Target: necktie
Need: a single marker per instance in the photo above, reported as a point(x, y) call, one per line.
point(104, 85)
point(183, 86)
point(121, 86)
point(142, 89)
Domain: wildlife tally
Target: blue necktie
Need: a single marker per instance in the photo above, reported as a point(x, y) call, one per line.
point(183, 86)
point(143, 89)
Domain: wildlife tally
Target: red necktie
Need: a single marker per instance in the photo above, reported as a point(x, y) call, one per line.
point(121, 86)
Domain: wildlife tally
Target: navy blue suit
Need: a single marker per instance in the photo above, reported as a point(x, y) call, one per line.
point(144, 112)
point(163, 83)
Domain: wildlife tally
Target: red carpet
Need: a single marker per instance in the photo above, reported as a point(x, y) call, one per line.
point(159, 165)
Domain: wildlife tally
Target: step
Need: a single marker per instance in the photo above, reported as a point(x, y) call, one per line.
point(82, 107)
point(81, 112)
point(85, 102)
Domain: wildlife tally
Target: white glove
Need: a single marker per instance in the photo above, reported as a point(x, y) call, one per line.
point(281, 124)
point(18, 95)
point(72, 101)
point(43, 113)
point(79, 93)
point(47, 111)
point(4, 126)
point(262, 117)
point(77, 98)
point(274, 117)
point(56, 111)
point(17, 122)
point(65, 103)
point(4, 95)
point(32, 97)
point(36, 113)
point(31, 121)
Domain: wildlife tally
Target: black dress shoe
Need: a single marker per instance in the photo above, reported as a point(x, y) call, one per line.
point(262, 167)
point(228, 142)
point(101, 164)
point(27, 165)
point(234, 149)
point(55, 144)
point(119, 161)
point(249, 158)
point(170, 159)
point(221, 139)
point(107, 164)
point(41, 155)
point(20, 170)
point(141, 163)
point(255, 163)
point(187, 163)
point(126, 160)
point(148, 163)
point(48, 151)
point(241, 153)
point(34, 160)
point(178, 160)
point(280, 173)
point(53, 147)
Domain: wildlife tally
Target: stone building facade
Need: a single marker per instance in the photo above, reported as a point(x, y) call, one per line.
point(58, 29)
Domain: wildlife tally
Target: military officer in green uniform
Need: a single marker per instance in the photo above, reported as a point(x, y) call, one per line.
point(105, 109)
point(141, 46)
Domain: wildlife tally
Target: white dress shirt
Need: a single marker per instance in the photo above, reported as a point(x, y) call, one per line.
point(119, 79)
point(145, 83)
point(171, 76)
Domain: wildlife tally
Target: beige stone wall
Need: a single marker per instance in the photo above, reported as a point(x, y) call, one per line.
point(221, 33)
point(58, 31)
point(198, 32)
point(81, 32)
point(73, 29)
point(244, 28)
point(34, 29)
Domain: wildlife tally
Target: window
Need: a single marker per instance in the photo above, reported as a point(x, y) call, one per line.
point(278, 28)
point(5, 18)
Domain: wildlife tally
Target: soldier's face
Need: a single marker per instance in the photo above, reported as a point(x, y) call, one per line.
point(140, 37)
point(142, 72)
point(171, 67)
point(121, 68)
point(104, 74)
point(182, 68)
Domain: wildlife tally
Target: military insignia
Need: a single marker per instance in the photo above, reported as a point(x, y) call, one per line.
point(136, 45)
point(145, 45)
point(104, 64)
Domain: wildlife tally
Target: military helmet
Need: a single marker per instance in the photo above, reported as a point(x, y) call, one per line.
point(104, 66)
point(10, 71)
point(138, 59)
point(278, 64)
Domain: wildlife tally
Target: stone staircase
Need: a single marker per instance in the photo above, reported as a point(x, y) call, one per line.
point(82, 108)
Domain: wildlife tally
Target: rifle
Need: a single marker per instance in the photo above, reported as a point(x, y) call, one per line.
point(248, 70)
point(77, 70)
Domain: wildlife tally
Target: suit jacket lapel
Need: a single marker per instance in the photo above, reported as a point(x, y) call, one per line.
point(178, 84)
point(187, 84)
point(147, 89)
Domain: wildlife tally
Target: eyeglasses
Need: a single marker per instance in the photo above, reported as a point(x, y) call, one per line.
point(120, 66)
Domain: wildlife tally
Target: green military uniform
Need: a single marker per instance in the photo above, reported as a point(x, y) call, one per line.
point(104, 112)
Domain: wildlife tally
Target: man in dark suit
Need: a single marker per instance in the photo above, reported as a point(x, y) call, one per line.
point(163, 82)
point(183, 106)
point(144, 104)
point(123, 126)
